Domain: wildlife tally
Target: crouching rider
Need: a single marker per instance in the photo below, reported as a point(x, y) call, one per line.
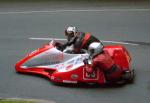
point(102, 60)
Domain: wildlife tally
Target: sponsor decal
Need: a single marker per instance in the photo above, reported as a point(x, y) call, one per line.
point(69, 67)
point(68, 81)
point(74, 76)
point(59, 66)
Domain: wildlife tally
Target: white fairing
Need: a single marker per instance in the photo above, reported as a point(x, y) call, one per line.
point(51, 56)
point(68, 48)
point(55, 59)
point(73, 63)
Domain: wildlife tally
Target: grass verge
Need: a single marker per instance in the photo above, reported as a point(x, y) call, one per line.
point(15, 101)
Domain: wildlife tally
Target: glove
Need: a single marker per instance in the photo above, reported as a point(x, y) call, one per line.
point(59, 46)
point(85, 61)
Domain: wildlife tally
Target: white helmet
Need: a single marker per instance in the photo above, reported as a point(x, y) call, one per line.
point(70, 31)
point(95, 48)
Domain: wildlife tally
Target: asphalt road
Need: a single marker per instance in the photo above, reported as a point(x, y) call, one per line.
point(111, 22)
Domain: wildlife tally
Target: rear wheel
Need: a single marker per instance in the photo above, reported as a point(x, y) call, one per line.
point(129, 76)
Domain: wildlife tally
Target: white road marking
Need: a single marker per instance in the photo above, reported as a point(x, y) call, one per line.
point(47, 39)
point(82, 10)
point(104, 41)
point(119, 42)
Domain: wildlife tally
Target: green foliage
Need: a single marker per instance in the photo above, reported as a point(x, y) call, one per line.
point(15, 101)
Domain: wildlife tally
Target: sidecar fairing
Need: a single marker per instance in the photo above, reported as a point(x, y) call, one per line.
point(62, 67)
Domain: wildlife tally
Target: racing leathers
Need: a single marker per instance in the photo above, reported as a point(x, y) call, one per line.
point(104, 62)
point(80, 41)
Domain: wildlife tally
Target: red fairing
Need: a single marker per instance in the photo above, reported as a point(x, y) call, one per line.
point(103, 60)
point(41, 71)
point(78, 75)
point(70, 68)
point(119, 55)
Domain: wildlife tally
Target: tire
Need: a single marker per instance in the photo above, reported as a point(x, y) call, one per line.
point(129, 76)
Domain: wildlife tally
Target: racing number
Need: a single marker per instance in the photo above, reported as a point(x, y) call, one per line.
point(87, 69)
point(90, 75)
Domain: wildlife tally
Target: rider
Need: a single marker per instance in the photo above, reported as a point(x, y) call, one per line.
point(80, 40)
point(102, 60)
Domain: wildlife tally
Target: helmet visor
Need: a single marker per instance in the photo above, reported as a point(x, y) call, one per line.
point(69, 33)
